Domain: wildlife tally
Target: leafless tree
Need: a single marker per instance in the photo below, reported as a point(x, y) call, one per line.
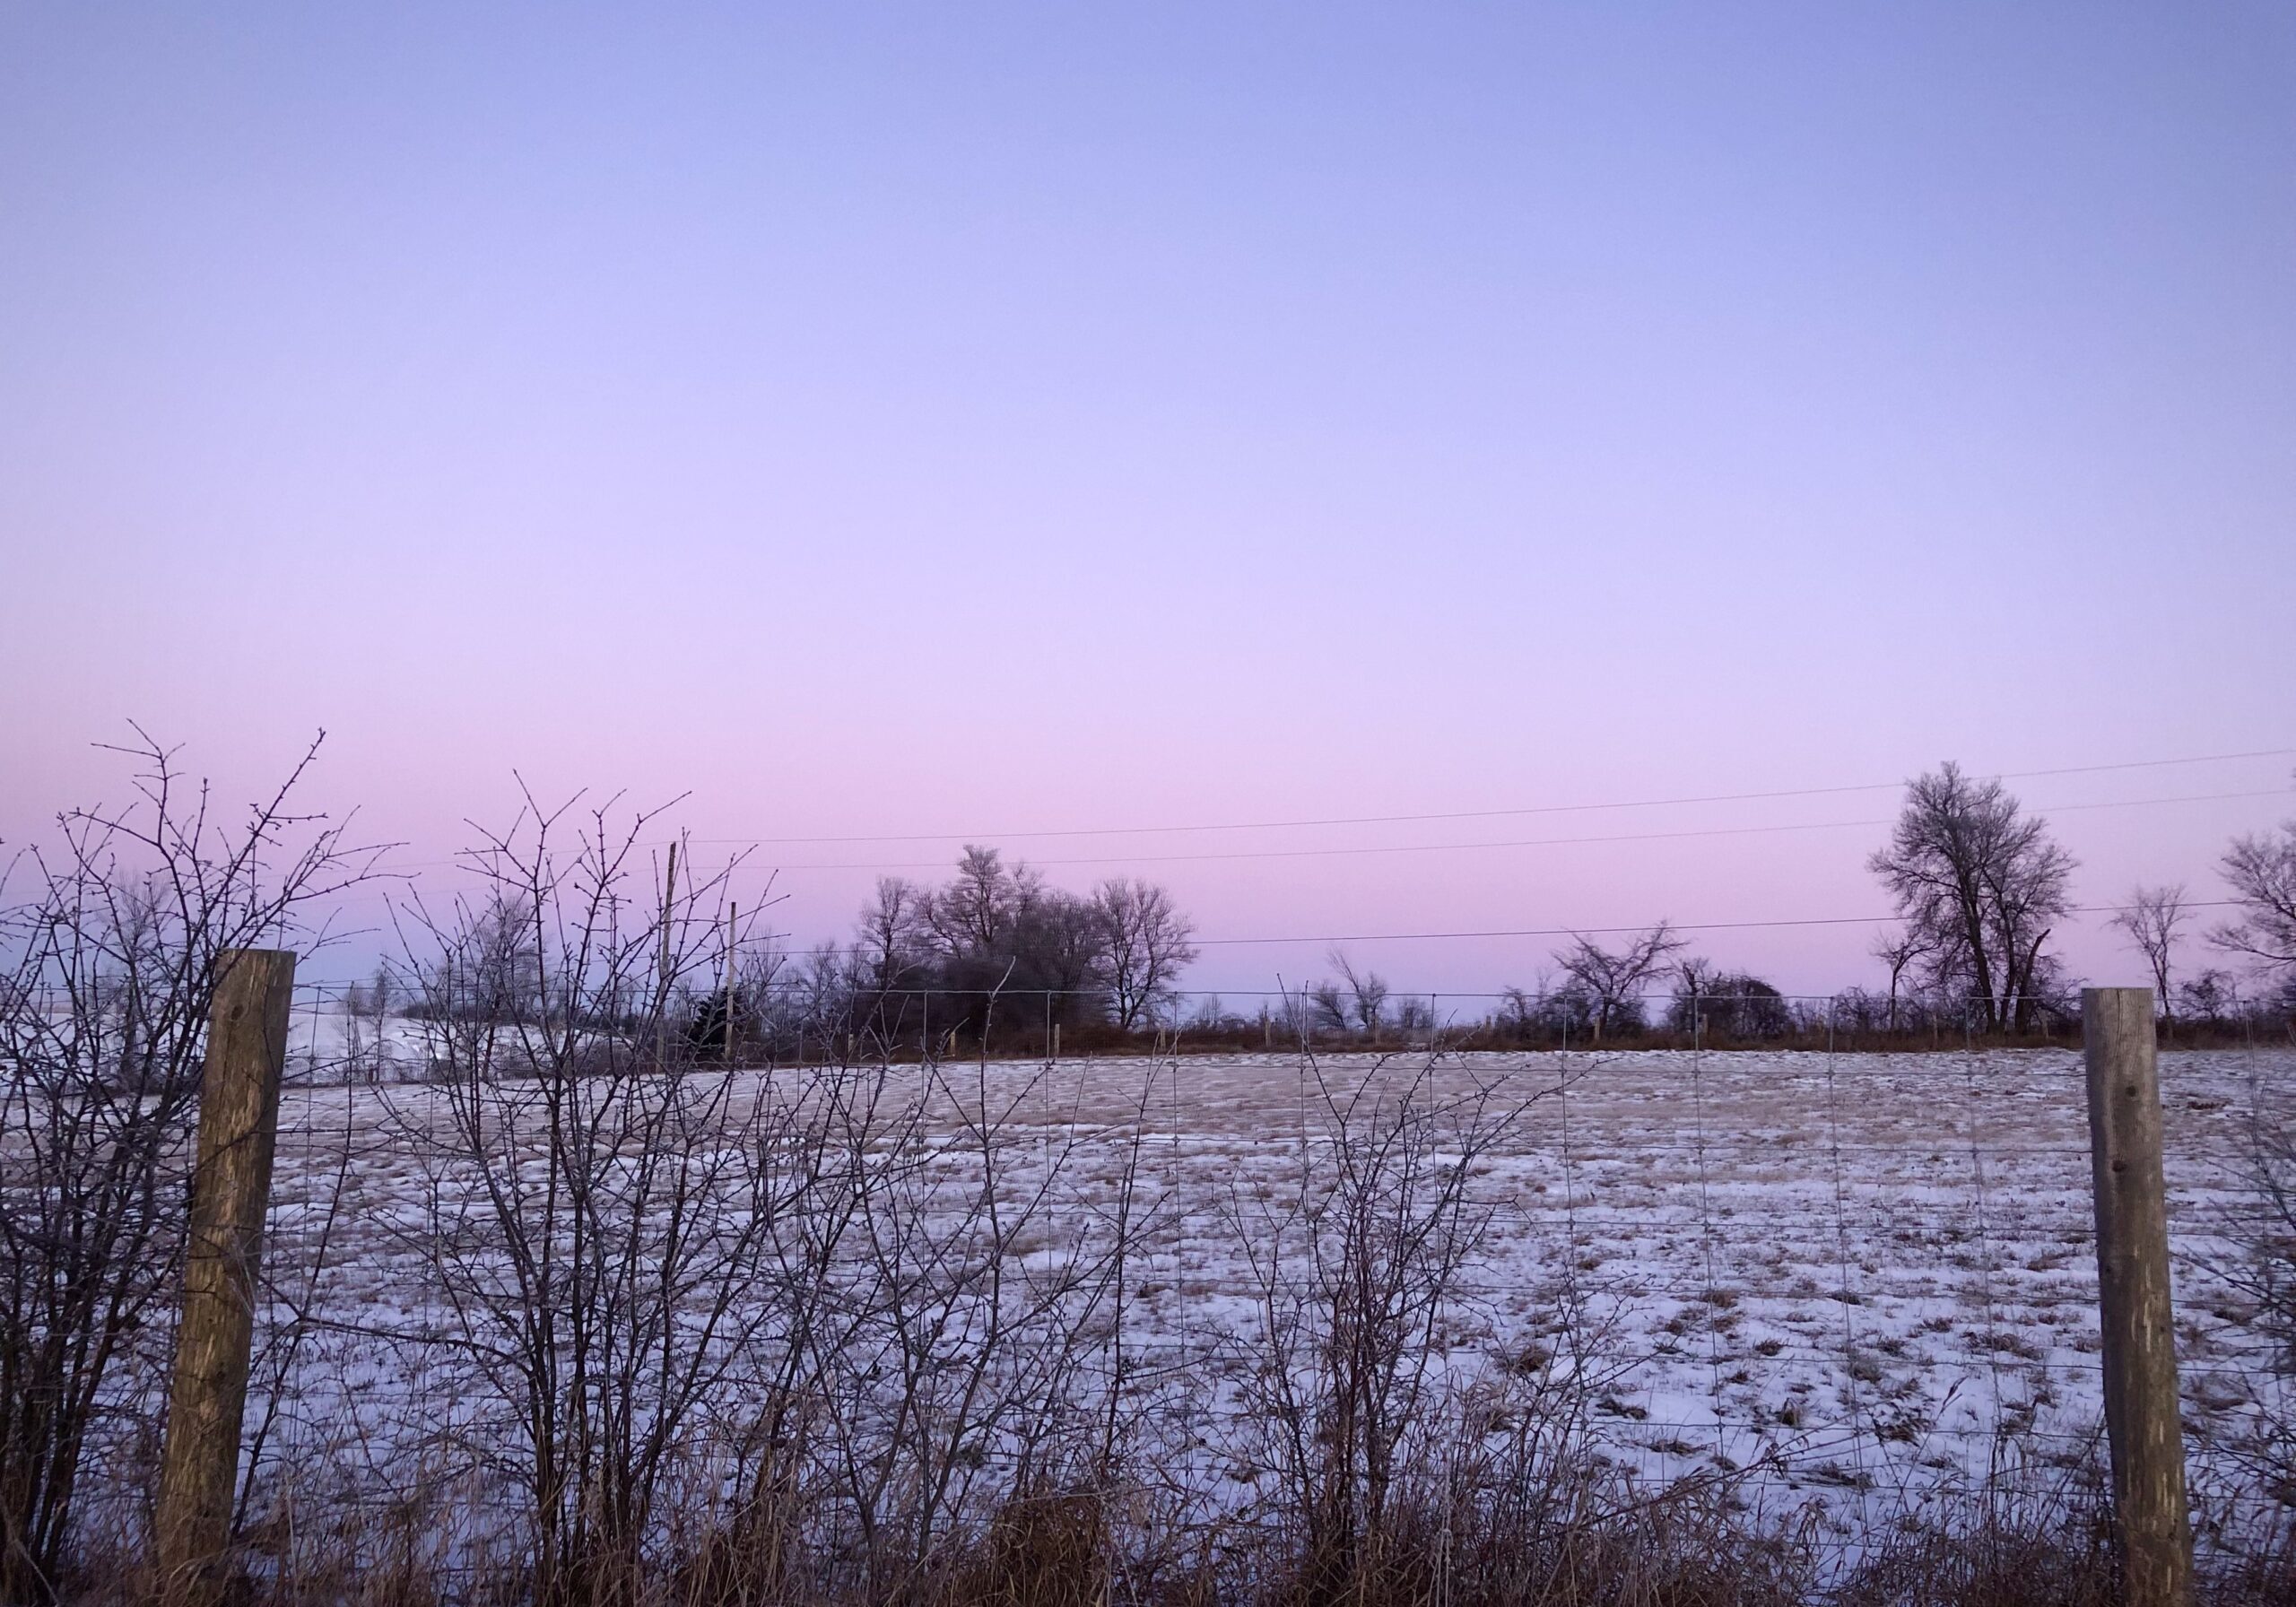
point(1059, 947)
point(1144, 948)
point(2151, 919)
point(1981, 884)
point(2262, 872)
point(106, 968)
point(367, 1011)
point(1210, 1015)
point(1614, 978)
point(1728, 1004)
point(1361, 996)
point(976, 912)
point(997, 928)
point(824, 985)
point(1519, 1012)
point(895, 940)
point(2209, 994)
point(1900, 953)
point(1696, 977)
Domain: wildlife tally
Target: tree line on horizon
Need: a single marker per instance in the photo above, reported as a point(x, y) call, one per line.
point(996, 929)
point(1981, 890)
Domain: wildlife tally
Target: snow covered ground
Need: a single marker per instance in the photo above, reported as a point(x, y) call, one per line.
point(1865, 1279)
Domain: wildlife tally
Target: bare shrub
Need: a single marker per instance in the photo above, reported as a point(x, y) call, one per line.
point(840, 1326)
point(2259, 1269)
point(109, 972)
point(600, 1210)
point(1353, 1277)
point(2058, 1555)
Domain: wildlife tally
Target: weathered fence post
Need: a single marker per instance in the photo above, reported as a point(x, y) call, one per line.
point(2138, 1319)
point(239, 1125)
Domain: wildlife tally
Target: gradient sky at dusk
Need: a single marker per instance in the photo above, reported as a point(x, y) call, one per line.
point(978, 419)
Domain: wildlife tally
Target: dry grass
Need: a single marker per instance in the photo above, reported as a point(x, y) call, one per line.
point(1570, 1543)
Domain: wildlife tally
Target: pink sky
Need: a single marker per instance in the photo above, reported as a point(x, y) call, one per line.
point(1052, 419)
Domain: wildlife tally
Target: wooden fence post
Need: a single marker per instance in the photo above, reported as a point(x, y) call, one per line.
point(2142, 1412)
point(238, 1129)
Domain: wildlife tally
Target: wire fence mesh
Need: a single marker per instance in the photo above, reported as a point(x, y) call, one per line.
point(1858, 1285)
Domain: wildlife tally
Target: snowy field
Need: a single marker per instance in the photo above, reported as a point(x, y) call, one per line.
point(1862, 1282)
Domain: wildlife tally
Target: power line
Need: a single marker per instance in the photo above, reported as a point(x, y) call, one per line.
point(1525, 842)
point(1825, 920)
point(1476, 814)
point(468, 859)
point(1397, 937)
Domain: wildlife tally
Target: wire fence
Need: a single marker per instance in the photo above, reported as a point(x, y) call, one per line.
point(1859, 1285)
point(1851, 1287)
point(768, 1017)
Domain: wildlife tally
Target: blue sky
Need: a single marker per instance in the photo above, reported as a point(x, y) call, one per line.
point(920, 419)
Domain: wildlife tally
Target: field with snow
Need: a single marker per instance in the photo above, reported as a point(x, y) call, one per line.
point(1861, 1283)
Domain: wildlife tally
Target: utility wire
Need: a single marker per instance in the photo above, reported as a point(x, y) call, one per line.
point(1477, 814)
point(1521, 842)
point(1398, 937)
point(468, 859)
point(1828, 920)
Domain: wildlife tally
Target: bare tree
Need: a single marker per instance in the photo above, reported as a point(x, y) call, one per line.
point(105, 991)
point(1900, 952)
point(366, 1012)
point(976, 912)
point(1728, 1004)
point(2151, 919)
point(1366, 996)
point(998, 929)
point(1518, 1016)
point(1613, 978)
point(2262, 872)
point(894, 933)
point(1981, 884)
point(1144, 948)
point(1415, 1013)
point(1059, 946)
point(892, 956)
point(2211, 994)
